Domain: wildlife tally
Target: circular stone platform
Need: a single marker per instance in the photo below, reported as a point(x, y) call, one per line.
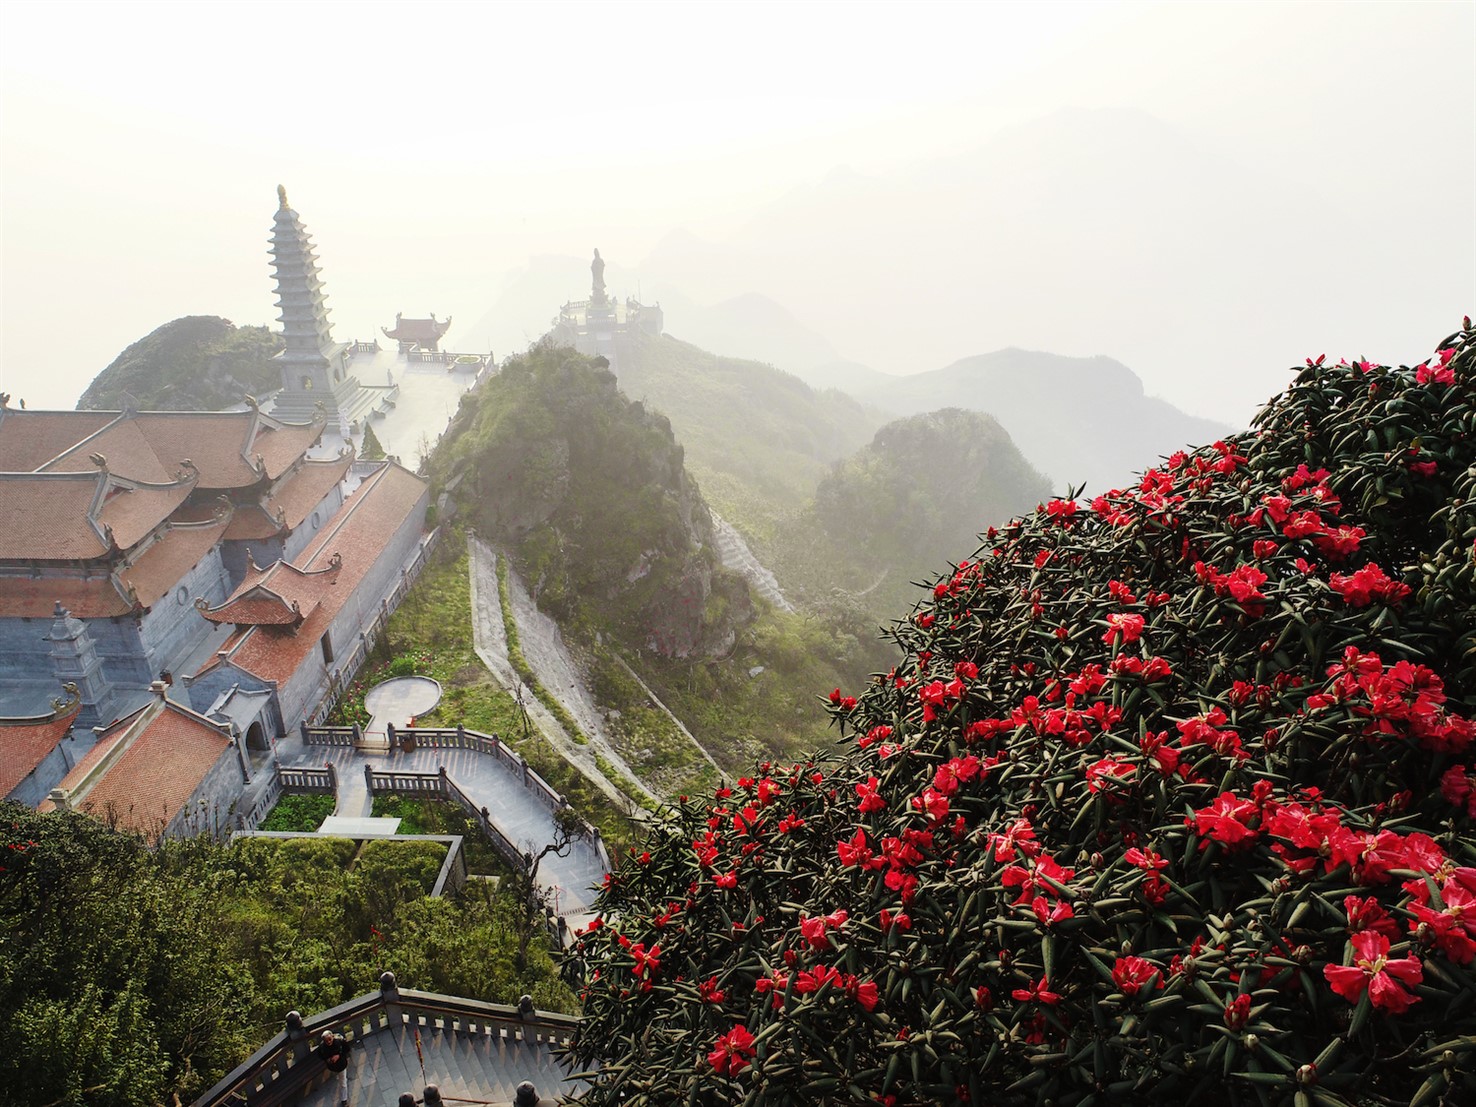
point(397, 699)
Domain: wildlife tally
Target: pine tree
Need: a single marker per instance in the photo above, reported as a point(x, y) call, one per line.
point(371, 450)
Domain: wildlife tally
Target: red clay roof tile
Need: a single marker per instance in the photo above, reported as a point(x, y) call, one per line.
point(97, 598)
point(167, 751)
point(25, 744)
point(29, 439)
point(359, 532)
point(173, 554)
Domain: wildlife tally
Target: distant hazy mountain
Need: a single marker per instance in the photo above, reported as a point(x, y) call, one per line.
point(849, 376)
point(1078, 420)
point(749, 326)
point(198, 361)
point(757, 438)
point(915, 497)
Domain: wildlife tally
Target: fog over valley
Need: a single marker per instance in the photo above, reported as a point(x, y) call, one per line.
point(1205, 193)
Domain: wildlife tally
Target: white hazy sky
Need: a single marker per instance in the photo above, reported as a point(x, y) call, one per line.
point(433, 148)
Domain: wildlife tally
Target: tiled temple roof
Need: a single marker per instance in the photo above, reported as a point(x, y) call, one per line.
point(25, 743)
point(279, 595)
point(50, 516)
point(358, 535)
point(162, 751)
point(418, 330)
point(231, 449)
point(86, 598)
point(67, 516)
point(166, 560)
point(29, 439)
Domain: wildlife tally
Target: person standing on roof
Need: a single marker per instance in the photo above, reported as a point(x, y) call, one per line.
point(334, 1052)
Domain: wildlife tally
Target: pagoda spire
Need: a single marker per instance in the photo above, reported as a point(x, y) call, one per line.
point(310, 355)
point(316, 375)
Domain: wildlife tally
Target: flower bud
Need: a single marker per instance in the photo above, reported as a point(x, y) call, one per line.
point(1307, 1075)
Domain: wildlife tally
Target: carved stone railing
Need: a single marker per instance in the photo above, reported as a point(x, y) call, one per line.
point(284, 1069)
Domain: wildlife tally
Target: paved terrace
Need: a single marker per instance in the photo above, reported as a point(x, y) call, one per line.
point(489, 783)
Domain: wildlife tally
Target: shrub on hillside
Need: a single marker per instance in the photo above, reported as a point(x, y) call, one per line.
point(1171, 798)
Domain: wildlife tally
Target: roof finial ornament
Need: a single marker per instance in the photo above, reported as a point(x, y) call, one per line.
point(282, 198)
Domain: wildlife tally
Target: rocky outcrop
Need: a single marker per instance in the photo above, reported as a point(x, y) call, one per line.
point(590, 493)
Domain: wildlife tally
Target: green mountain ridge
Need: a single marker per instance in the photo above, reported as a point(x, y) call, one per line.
point(589, 492)
point(914, 497)
point(757, 438)
point(199, 362)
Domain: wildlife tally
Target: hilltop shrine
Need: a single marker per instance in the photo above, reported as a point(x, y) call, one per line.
point(592, 326)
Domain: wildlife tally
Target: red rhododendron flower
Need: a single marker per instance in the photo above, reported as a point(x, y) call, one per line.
point(864, 992)
point(1101, 774)
point(1458, 786)
point(854, 851)
point(959, 769)
point(900, 920)
point(1452, 923)
point(1125, 626)
point(1039, 992)
point(1237, 1012)
point(1227, 820)
point(1133, 974)
point(1369, 914)
point(871, 800)
point(733, 1052)
point(1366, 585)
point(1375, 972)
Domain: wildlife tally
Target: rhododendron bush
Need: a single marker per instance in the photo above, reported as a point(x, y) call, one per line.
point(1171, 798)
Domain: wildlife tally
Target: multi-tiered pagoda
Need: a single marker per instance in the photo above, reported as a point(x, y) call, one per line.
point(315, 369)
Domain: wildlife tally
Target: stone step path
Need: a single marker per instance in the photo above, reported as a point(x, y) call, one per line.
point(734, 553)
point(489, 639)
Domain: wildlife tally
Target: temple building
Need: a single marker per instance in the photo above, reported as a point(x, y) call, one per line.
point(418, 334)
point(128, 535)
point(315, 369)
point(162, 770)
point(593, 326)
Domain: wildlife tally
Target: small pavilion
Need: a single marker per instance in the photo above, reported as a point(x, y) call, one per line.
point(418, 334)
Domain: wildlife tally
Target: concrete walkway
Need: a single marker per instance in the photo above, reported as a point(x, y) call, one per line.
point(487, 782)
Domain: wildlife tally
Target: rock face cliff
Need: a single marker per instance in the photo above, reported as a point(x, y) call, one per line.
point(590, 494)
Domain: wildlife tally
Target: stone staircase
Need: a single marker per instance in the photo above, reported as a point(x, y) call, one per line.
point(734, 553)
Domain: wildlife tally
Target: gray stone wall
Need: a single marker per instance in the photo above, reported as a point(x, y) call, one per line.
point(172, 628)
point(23, 650)
point(133, 650)
point(264, 551)
point(212, 805)
point(201, 692)
point(298, 540)
point(307, 687)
